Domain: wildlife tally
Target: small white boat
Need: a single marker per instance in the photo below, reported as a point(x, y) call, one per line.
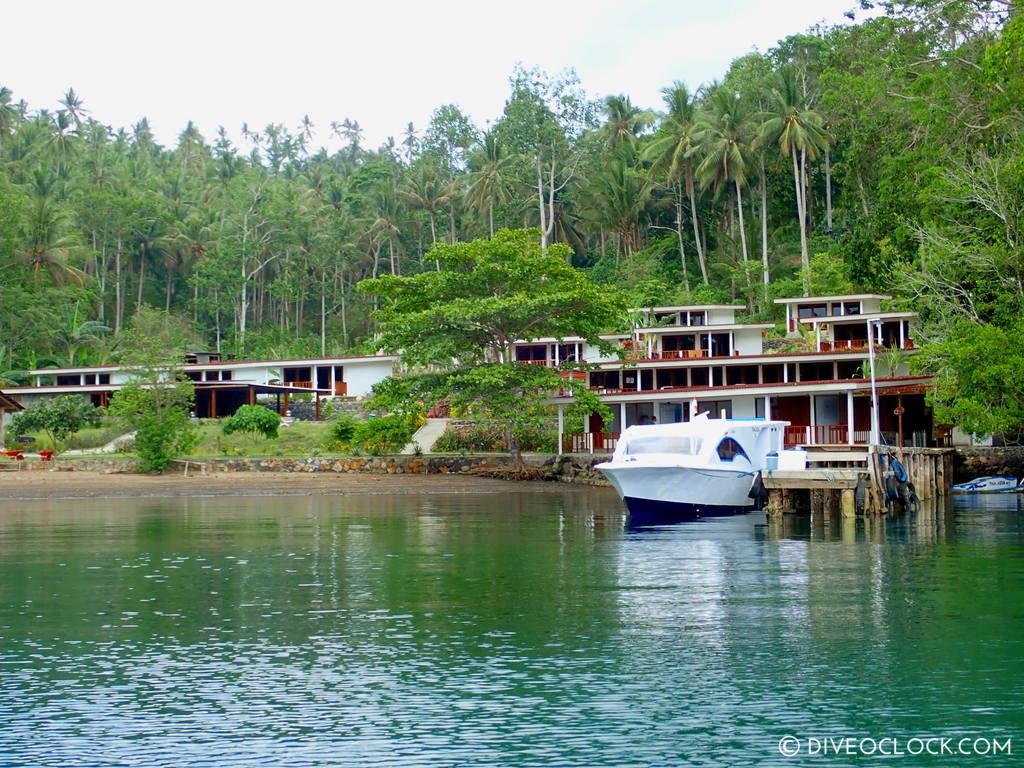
point(692, 469)
point(996, 484)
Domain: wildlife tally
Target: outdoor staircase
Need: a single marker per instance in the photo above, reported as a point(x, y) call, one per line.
point(426, 436)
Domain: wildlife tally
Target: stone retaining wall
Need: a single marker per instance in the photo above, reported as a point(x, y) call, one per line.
point(971, 462)
point(566, 469)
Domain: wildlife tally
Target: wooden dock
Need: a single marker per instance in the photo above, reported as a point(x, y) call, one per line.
point(854, 480)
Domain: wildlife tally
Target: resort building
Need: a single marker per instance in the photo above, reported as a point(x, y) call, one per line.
point(222, 386)
point(8, 407)
point(681, 359)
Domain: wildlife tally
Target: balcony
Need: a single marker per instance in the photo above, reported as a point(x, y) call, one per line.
point(590, 442)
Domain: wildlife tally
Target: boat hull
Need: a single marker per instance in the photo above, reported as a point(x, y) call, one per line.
point(999, 484)
point(673, 492)
point(644, 512)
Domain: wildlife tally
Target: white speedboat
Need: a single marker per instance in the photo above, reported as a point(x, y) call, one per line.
point(998, 484)
point(691, 469)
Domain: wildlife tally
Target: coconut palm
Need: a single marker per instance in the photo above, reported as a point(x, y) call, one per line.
point(624, 121)
point(725, 138)
point(425, 190)
point(797, 130)
point(77, 335)
point(672, 149)
point(9, 115)
point(489, 185)
point(617, 196)
point(49, 245)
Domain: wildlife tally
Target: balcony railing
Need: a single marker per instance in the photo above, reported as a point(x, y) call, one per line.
point(820, 434)
point(590, 442)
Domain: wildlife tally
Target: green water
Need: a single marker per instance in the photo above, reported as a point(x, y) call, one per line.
point(517, 629)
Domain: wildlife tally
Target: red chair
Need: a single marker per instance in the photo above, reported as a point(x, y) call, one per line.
point(46, 455)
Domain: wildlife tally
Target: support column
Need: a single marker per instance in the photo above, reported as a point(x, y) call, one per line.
point(252, 395)
point(213, 403)
point(767, 408)
point(622, 417)
point(903, 334)
point(813, 420)
point(561, 426)
point(316, 397)
point(849, 417)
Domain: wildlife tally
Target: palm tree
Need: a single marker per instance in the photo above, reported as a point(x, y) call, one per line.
point(797, 131)
point(77, 335)
point(489, 184)
point(425, 190)
point(625, 122)
point(725, 142)
point(672, 151)
point(9, 115)
point(72, 102)
point(50, 244)
point(617, 196)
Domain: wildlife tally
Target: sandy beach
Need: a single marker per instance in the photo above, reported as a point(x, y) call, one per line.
point(20, 486)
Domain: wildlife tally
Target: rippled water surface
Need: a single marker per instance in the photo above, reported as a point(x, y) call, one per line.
point(524, 629)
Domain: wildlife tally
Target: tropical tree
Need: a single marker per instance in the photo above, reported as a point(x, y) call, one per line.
point(725, 136)
point(489, 183)
point(671, 153)
point(796, 129)
point(50, 244)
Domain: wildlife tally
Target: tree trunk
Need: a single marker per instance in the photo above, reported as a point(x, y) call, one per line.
point(764, 229)
point(805, 260)
point(828, 190)
point(701, 249)
point(540, 202)
point(743, 229)
point(118, 291)
point(679, 235)
point(323, 318)
point(142, 280)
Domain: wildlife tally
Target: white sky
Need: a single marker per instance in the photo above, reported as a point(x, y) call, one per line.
point(224, 62)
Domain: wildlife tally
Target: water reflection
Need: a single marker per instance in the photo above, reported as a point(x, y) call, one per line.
point(530, 629)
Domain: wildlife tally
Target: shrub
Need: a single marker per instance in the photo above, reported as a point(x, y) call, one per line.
point(344, 428)
point(480, 438)
point(58, 417)
point(386, 434)
point(254, 419)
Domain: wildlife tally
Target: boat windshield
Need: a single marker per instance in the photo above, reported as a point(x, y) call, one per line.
point(664, 444)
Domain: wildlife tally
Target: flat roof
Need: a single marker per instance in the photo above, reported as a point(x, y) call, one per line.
point(851, 319)
point(688, 307)
point(218, 364)
point(846, 297)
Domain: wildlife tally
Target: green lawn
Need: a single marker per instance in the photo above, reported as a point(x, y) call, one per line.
point(301, 439)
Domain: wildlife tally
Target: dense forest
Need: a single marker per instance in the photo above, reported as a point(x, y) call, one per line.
point(885, 155)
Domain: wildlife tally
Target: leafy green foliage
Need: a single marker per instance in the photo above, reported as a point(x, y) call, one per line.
point(344, 428)
point(489, 294)
point(256, 420)
point(980, 384)
point(478, 438)
point(385, 434)
point(58, 417)
point(155, 402)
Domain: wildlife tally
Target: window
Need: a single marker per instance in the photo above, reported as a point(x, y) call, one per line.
point(812, 310)
point(664, 444)
point(729, 449)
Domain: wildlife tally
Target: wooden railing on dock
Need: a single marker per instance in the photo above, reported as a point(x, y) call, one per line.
point(858, 480)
